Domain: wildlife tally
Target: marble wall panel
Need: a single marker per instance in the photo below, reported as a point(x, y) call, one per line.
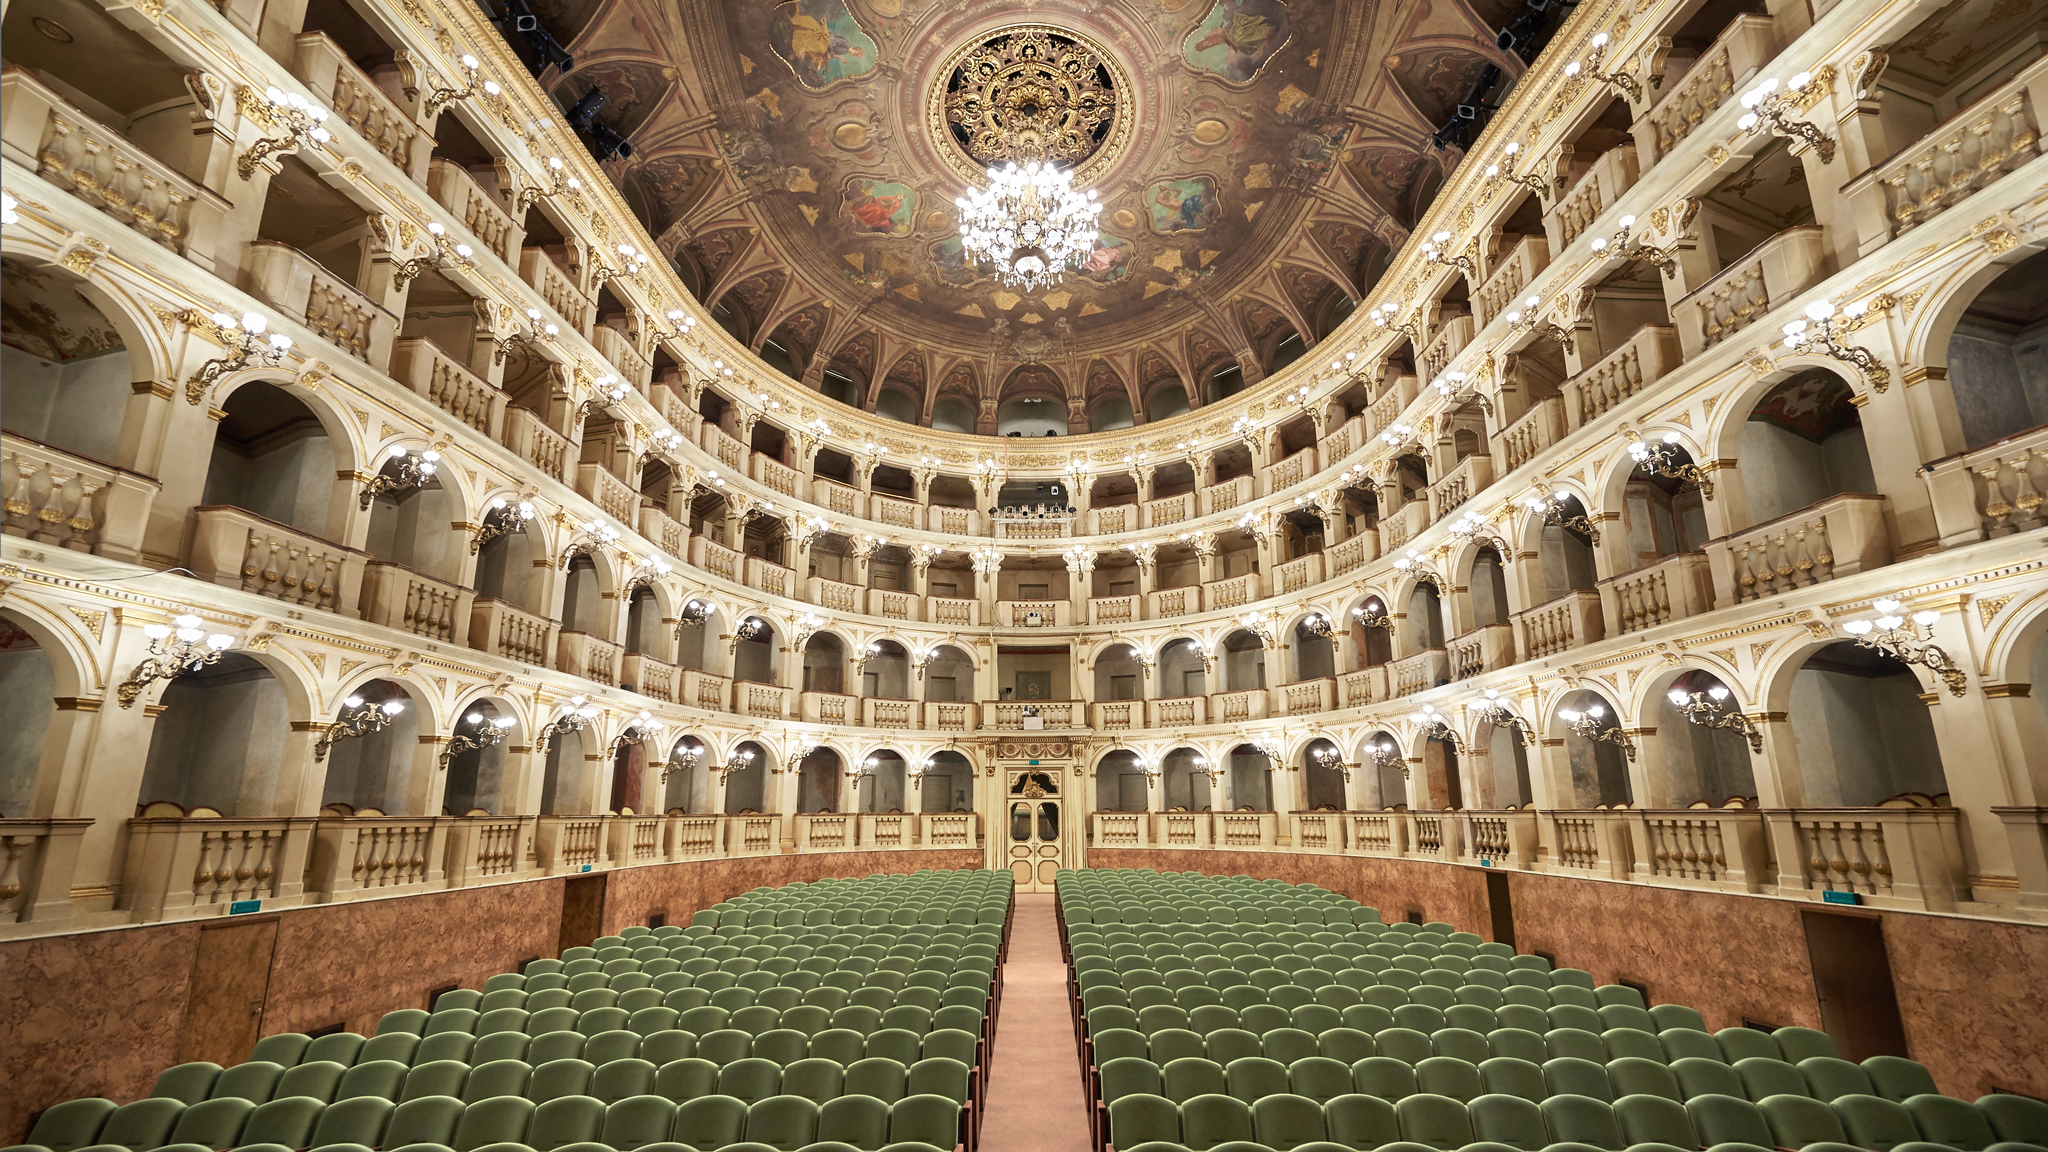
point(1974, 997)
point(1455, 896)
point(677, 890)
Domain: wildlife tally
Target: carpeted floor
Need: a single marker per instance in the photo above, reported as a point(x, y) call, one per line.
point(1035, 1102)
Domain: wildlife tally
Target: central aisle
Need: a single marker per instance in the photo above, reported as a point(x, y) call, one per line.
point(1035, 1102)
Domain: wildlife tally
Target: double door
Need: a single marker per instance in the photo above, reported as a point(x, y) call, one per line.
point(1037, 828)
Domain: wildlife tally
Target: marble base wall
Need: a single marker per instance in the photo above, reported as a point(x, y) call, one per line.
point(1973, 993)
point(99, 1013)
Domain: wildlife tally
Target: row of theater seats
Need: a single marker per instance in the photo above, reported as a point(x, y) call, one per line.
point(1389, 1033)
point(788, 1060)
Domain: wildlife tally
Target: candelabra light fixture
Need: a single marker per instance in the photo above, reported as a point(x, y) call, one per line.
point(1269, 745)
point(862, 770)
point(1344, 366)
point(914, 771)
point(801, 745)
point(1436, 252)
point(591, 535)
point(1031, 223)
point(637, 730)
point(1329, 759)
point(662, 442)
point(575, 716)
point(483, 733)
point(646, 573)
point(447, 253)
point(560, 183)
point(1770, 110)
point(1377, 619)
point(1433, 725)
point(440, 98)
point(243, 345)
point(800, 631)
point(695, 611)
point(1479, 530)
point(302, 124)
point(360, 719)
point(1590, 67)
point(682, 758)
point(1495, 711)
point(1817, 333)
point(1629, 247)
point(1662, 459)
point(8, 204)
point(1552, 509)
point(609, 390)
point(532, 332)
point(1260, 625)
point(501, 519)
point(176, 648)
point(405, 469)
point(1706, 710)
point(1396, 435)
point(1385, 755)
point(1214, 771)
point(921, 658)
point(1152, 770)
point(1244, 428)
point(679, 322)
point(1890, 634)
point(1319, 625)
point(1591, 725)
point(1459, 390)
point(1383, 319)
point(632, 262)
point(740, 760)
point(1504, 171)
point(1525, 316)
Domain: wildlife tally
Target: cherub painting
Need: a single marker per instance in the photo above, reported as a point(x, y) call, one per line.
point(878, 206)
point(1109, 262)
point(821, 42)
point(1237, 37)
point(1187, 204)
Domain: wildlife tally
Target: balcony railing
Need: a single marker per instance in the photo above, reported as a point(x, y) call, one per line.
point(706, 690)
point(514, 633)
point(1351, 554)
point(1887, 857)
point(633, 367)
point(1533, 431)
point(359, 103)
point(771, 578)
point(951, 716)
point(1839, 536)
point(761, 701)
point(1170, 602)
point(1719, 848)
point(1425, 669)
point(1117, 715)
point(300, 288)
point(1113, 609)
point(1640, 362)
point(613, 496)
point(1239, 706)
point(38, 860)
point(1572, 620)
point(1033, 715)
point(448, 384)
point(1110, 521)
point(398, 597)
point(947, 610)
point(1335, 446)
point(456, 190)
point(1472, 476)
point(1291, 471)
point(47, 135)
point(1230, 493)
point(1502, 292)
point(1989, 491)
point(834, 596)
point(649, 676)
point(893, 605)
point(714, 558)
point(1614, 173)
point(56, 498)
point(1781, 267)
point(1742, 48)
point(1177, 711)
point(897, 513)
point(1307, 696)
point(486, 848)
point(591, 657)
point(774, 476)
point(1488, 648)
point(1366, 686)
point(1590, 841)
point(1220, 594)
point(238, 549)
point(1169, 510)
point(877, 712)
point(1993, 136)
point(361, 856)
point(658, 526)
point(178, 868)
point(559, 292)
point(532, 440)
point(829, 707)
point(1450, 339)
point(1674, 588)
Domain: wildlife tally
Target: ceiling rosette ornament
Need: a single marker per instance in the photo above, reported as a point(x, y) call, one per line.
point(1031, 93)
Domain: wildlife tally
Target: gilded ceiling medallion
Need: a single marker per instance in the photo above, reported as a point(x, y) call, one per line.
point(1030, 93)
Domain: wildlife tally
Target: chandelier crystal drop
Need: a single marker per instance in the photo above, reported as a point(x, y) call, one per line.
point(1030, 223)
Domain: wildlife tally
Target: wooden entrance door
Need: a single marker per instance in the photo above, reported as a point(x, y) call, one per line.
point(229, 983)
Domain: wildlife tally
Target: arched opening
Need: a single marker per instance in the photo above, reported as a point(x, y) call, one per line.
point(272, 457)
point(1489, 589)
point(1566, 554)
point(505, 567)
point(1110, 413)
point(378, 769)
point(948, 785)
point(1314, 659)
point(696, 632)
point(1320, 766)
point(476, 762)
point(629, 790)
point(952, 414)
point(1119, 785)
point(219, 740)
point(881, 786)
point(1165, 401)
point(1500, 768)
point(887, 673)
point(1703, 766)
point(582, 598)
point(562, 773)
point(1663, 515)
point(746, 787)
point(817, 781)
point(1287, 350)
point(754, 651)
point(643, 622)
point(1251, 779)
point(1426, 617)
point(686, 777)
point(66, 364)
point(1372, 636)
point(779, 358)
point(950, 676)
point(1184, 775)
point(1182, 671)
point(1802, 443)
point(1994, 355)
point(841, 386)
point(1031, 416)
point(1386, 772)
point(898, 405)
point(1597, 764)
point(1221, 381)
point(824, 663)
point(1117, 673)
point(1443, 774)
point(1863, 731)
point(28, 690)
point(1243, 656)
point(409, 527)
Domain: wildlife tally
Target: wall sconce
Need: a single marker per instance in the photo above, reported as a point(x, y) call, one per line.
point(1588, 725)
point(631, 262)
point(1383, 319)
point(1525, 316)
point(661, 444)
point(405, 471)
point(1407, 563)
point(801, 745)
point(482, 734)
point(8, 204)
point(739, 761)
point(925, 471)
point(1660, 257)
point(591, 535)
point(1615, 79)
point(695, 612)
point(303, 124)
point(576, 716)
point(1551, 510)
point(1151, 770)
point(1433, 726)
point(800, 632)
point(1662, 460)
point(1080, 558)
point(1890, 634)
point(1319, 625)
point(1495, 712)
point(610, 390)
point(1505, 173)
point(361, 720)
point(1769, 111)
point(1479, 530)
point(440, 98)
point(1695, 707)
point(447, 253)
point(914, 771)
point(1271, 747)
point(1244, 428)
point(1329, 759)
point(1396, 435)
point(1215, 773)
point(502, 519)
point(1378, 619)
point(1260, 625)
point(863, 654)
point(682, 758)
point(638, 729)
point(987, 559)
point(535, 331)
point(646, 572)
point(244, 346)
point(863, 770)
point(1816, 333)
point(174, 649)
point(560, 183)
point(1457, 388)
point(1385, 755)
point(679, 322)
point(1436, 253)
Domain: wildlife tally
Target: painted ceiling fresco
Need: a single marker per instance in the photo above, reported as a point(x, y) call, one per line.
point(793, 161)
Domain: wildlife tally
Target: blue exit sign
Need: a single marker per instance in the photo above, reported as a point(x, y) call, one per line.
point(240, 907)
point(1840, 898)
point(585, 868)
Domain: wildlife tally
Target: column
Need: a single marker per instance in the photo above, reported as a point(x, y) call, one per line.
point(988, 567)
point(1080, 578)
point(1205, 556)
point(862, 546)
point(1146, 555)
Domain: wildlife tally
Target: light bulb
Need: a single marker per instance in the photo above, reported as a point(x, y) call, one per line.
point(220, 641)
point(1569, 715)
point(1718, 692)
point(1887, 605)
point(157, 631)
point(474, 718)
point(253, 323)
point(1926, 618)
point(1857, 627)
point(1596, 711)
point(353, 702)
point(392, 708)
point(1820, 310)
point(1677, 697)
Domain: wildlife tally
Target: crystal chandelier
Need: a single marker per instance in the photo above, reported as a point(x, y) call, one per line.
point(1030, 223)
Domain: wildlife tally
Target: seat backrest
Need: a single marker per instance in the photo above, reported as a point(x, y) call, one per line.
point(1449, 1076)
point(2017, 1119)
point(361, 1120)
point(1764, 1076)
point(622, 1078)
point(494, 1120)
point(379, 1078)
point(213, 1123)
point(1874, 1122)
point(860, 1121)
point(1742, 1043)
point(1361, 1121)
point(288, 1048)
point(1947, 1120)
point(1384, 1077)
point(1796, 1044)
point(1654, 1120)
point(785, 1122)
point(568, 1076)
point(1519, 1043)
point(1501, 1118)
point(1510, 1076)
point(1571, 1076)
point(1698, 1076)
point(1285, 1120)
point(1897, 1078)
point(1801, 1120)
point(254, 1081)
point(340, 1047)
point(686, 1079)
point(1830, 1077)
point(1140, 1119)
point(1574, 1119)
point(1633, 1076)
point(934, 1120)
point(1184, 1079)
point(1721, 1119)
point(435, 1078)
point(1437, 1121)
point(428, 1120)
point(186, 1083)
point(1213, 1119)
